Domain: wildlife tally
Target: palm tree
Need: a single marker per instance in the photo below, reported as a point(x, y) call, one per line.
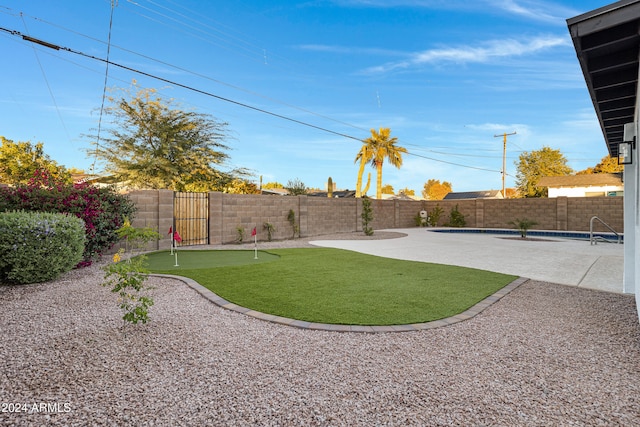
point(381, 145)
point(364, 156)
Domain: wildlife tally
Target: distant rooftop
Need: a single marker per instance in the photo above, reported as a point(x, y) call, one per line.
point(487, 194)
point(587, 180)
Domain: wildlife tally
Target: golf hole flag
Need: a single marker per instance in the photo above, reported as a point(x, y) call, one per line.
point(254, 233)
point(175, 238)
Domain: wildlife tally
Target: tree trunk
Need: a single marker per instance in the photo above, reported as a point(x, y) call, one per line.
point(366, 187)
point(379, 180)
point(359, 181)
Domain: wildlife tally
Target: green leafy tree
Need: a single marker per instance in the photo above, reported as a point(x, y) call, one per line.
point(154, 144)
point(270, 185)
point(538, 163)
point(381, 146)
point(608, 164)
point(295, 187)
point(435, 190)
point(407, 192)
point(241, 186)
point(19, 162)
point(387, 189)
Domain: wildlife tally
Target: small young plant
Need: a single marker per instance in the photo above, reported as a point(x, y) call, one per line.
point(291, 217)
point(136, 239)
point(456, 218)
point(239, 234)
point(127, 277)
point(270, 229)
point(434, 216)
point(367, 216)
point(523, 225)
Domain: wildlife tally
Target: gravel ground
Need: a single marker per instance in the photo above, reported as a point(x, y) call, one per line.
point(544, 355)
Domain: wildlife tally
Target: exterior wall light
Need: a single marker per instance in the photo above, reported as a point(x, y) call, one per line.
point(625, 149)
point(624, 153)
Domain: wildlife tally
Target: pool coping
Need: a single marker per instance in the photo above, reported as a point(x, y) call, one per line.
point(560, 234)
point(302, 324)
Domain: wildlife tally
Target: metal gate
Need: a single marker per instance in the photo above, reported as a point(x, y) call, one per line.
point(191, 218)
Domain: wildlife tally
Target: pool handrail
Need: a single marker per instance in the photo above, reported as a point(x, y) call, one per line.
point(594, 239)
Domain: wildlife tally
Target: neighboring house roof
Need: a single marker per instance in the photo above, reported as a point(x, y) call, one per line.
point(400, 196)
point(340, 194)
point(587, 180)
point(490, 194)
point(91, 178)
point(274, 191)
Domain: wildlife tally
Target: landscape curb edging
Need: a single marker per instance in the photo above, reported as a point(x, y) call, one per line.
point(301, 324)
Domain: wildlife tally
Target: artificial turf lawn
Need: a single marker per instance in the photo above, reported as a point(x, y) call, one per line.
point(204, 259)
point(337, 286)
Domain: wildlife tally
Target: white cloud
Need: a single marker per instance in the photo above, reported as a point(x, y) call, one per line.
point(535, 10)
point(493, 49)
point(349, 50)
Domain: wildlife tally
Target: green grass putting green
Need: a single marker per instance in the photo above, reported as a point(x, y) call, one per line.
point(336, 286)
point(205, 259)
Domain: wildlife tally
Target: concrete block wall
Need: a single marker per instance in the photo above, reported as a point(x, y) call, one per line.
point(406, 211)
point(498, 213)
point(228, 212)
point(327, 216)
point(466, 207)
point(384, 215)
point(317, 215)
point(154, 210)
point(608, 209)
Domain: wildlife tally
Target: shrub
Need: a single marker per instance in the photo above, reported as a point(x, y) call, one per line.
point(456, 219)
point(270, 229)
point(291, 217)
point(434, 216)
point(523, 225)
point(102, 209)
point(38, 247)
point(367, 216)
point(239, 234)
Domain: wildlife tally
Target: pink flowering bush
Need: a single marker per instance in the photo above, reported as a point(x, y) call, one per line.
point(102, 209)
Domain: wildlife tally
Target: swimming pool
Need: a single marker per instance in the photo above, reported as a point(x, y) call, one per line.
point(575, 235)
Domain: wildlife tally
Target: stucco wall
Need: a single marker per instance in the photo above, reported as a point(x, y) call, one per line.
point(583, 191)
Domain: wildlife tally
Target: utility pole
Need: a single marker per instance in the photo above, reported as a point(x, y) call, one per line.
point(504, 158)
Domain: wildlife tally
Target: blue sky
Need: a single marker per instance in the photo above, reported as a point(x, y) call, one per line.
point(444, 75)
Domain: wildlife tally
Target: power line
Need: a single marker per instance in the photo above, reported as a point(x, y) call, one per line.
point(453, 163)
point(172, 82)
point(104, 87)
point(44, 76)
point(210, 94)
point(199, 74)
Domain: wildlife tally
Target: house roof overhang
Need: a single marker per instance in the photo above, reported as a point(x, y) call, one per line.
point(607, 43)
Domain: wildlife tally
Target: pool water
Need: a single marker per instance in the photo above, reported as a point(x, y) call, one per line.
point(576, 235)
